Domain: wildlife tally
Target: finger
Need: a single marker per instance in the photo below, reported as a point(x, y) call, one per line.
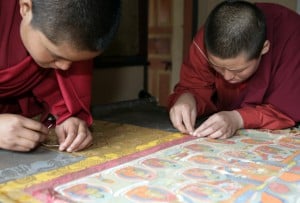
point(217, 134)
point(86, 142)
point(68, 141)
point(61, 134)
point(19, 148)
point(193, 118)
point(31, 135)
point(177, 122)
point(189, 127)
point(79, 138)
point(206, 129)
point(35, 126)
point(24, 144)
point(65, 138)
point(202, 130)
point(225, 136)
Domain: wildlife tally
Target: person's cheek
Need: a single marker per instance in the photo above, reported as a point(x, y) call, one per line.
point(43, 59)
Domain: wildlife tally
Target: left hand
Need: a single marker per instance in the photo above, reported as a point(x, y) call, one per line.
point(73, 135)
point(220, 125)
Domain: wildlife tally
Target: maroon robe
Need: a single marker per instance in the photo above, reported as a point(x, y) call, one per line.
point(271, 97)
point(29, 90)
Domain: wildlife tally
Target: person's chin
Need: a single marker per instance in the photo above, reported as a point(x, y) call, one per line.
point(41, 65)
point(234, 81)
point(46, 66)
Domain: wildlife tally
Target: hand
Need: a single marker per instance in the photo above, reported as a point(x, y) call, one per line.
point(183, 113)
point(18, 133)
point(220, 125)
point(73, 135)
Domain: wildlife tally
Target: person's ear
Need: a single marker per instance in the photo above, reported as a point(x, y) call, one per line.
point(25, 7)
point(266, 47)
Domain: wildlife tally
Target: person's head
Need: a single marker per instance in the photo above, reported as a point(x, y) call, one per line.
point(235, 39)
point(59, 32)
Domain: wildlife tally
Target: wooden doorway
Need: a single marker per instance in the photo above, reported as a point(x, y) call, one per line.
point(163, 30)
point(159, 49)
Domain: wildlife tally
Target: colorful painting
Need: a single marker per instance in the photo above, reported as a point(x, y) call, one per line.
point(254, 166)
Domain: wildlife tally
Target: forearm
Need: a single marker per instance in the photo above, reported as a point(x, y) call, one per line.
point(265, 117)
point(67, 94)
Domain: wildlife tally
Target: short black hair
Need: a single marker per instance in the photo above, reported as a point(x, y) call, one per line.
point(235, 27)
point(86, 24)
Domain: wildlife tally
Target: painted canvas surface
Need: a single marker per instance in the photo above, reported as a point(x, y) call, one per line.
point(254, 166)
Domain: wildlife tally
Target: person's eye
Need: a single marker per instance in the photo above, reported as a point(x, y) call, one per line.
point(239, 71)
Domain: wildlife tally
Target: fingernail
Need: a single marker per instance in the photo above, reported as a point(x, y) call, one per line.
point(61, 148)
point(196, 134)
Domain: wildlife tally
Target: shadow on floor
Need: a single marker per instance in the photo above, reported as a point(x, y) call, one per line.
point(143, 112)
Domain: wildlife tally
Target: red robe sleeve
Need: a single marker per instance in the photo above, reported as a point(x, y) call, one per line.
point(196, 78)
point(68, 93)
point(265, 116)
point(75, 86)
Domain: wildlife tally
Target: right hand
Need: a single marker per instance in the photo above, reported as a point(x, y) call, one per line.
point(18, 133)
point(183, 113)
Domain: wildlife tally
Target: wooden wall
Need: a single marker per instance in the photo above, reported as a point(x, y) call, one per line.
point(159, 49)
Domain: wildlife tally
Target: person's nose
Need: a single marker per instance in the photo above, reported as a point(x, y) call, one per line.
point(63, 64)
point(228, 75)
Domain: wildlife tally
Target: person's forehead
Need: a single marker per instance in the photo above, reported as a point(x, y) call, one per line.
point(66, 50)
point(234, 63)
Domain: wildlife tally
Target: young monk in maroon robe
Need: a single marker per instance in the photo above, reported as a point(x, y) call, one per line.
point(242, 71)
point(45, 68)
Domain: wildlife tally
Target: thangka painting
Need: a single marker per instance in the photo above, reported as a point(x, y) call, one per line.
point(254, 166)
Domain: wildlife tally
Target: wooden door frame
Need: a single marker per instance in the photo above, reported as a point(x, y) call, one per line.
point(190, 25)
